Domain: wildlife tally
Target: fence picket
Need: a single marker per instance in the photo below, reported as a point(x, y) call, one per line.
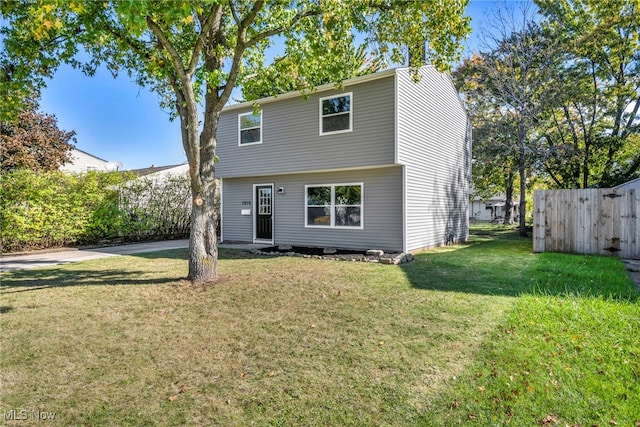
point(589, 221)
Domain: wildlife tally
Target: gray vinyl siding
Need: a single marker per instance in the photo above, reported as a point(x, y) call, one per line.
point(291, 140)
point(434, 142)
point(237, 227)
point(382, 209)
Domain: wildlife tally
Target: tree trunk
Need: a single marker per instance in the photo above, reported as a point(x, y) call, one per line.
point(200, 151)
point(203, 242)
point(200, 147)
point(523, 204)
point(585, 165)
point(508, 197)
point(523, 179)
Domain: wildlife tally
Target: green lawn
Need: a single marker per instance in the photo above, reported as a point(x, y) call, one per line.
point(485, 333)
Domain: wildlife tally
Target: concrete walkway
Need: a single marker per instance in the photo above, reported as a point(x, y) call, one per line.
point(55, 257)
point(633, 269)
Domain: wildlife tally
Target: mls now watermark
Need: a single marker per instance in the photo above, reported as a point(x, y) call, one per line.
point(31, 414)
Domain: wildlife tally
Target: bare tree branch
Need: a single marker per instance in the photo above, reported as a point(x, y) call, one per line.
point(632, 118)
point(234, 13)
point(170, 48)
point(299, 16)
point(214, 17)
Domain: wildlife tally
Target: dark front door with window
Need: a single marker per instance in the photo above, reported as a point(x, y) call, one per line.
point(264, 212)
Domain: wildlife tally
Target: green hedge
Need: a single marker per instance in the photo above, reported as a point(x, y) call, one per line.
point(155, 207)
point(43, 210)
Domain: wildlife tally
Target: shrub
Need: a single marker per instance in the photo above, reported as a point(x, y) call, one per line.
point(155, 207)
point(42, 210)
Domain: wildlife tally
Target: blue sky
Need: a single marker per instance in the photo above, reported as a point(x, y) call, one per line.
point(118, 121)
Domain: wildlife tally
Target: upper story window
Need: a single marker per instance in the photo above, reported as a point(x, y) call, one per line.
point(336, 114)
point(250, 128)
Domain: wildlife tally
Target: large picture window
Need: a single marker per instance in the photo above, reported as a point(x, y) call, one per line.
point(250, 128)
point(336, 114)
point(333, 205)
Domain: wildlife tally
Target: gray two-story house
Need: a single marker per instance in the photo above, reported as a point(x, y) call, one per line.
point(382, 163)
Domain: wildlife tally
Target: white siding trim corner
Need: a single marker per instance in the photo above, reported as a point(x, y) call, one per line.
point(404, 209)
point(396, 98)
point(221, 209)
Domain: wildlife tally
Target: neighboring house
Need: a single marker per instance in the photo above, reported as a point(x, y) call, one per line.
point(81, 161)
point(633, 184)
point(161, 172)
point(492, 209)
point(383, 163)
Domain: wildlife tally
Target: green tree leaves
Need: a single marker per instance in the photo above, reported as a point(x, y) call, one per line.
point(573, 92)
point(594, 109)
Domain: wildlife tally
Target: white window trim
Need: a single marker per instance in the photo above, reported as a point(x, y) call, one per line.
point(251, 113)
point(333, 205)
point(350, 95)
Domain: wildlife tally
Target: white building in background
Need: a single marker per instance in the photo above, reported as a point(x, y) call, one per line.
point(492, 209)
point(634, 184)
point(81, 161)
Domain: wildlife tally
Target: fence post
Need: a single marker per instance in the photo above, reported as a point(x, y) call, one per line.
point(539, 221)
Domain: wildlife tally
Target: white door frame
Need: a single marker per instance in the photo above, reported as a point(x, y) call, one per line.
point(255, 210)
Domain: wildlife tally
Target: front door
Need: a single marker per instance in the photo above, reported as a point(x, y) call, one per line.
point(264, 212)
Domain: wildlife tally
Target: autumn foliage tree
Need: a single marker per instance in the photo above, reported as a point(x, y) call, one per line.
point(195, 53)
point(506, 84)
point(495, 147)
point(34, 142)
point(591, 122)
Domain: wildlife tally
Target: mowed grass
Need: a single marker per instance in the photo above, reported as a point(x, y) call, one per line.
point(485, 333)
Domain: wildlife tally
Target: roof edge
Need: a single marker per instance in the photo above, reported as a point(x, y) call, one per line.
point(627, 183)
point(89, 154)
point(141, 172)
point(322, 88)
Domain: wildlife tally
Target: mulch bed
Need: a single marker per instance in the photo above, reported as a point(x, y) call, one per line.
point(339, 254)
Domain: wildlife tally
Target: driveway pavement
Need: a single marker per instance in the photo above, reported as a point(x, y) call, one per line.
point(54, 257)
point(47, 258)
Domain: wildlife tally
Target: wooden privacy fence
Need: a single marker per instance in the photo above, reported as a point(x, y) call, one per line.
point(591, 221)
